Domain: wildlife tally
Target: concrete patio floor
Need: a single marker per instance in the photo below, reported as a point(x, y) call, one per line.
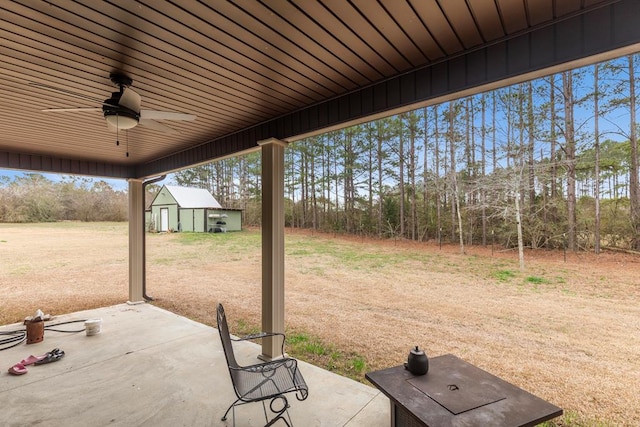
point(149, 366)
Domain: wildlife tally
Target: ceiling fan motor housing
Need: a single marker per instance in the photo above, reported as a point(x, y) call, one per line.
point(117, 115)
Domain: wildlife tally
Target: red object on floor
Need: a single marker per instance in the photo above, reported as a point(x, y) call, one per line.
point(18, 369)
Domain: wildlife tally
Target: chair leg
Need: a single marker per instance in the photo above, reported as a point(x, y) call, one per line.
point(279, 413)
point(290, 423)
point(224, 417)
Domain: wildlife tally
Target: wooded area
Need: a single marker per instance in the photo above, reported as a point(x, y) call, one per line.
point(547, 163)
point(34, 198)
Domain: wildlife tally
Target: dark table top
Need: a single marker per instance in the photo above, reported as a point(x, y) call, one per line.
point(457, 393)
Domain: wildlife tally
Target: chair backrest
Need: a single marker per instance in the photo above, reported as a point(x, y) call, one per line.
point(223, 329)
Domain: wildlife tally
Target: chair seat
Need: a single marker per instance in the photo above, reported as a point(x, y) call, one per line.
point(267, 380)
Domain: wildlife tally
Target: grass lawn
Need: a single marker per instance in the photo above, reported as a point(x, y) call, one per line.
point(568, 332)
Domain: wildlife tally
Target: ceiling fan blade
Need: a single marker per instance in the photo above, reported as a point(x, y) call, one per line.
point(66, 92)
point(152, 124)
point(165, 115)
point(64, 110)
point(130, 100)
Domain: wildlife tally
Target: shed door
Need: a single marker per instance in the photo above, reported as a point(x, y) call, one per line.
point(164, 219)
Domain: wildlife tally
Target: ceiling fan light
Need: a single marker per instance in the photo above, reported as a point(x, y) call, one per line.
point(121, 122)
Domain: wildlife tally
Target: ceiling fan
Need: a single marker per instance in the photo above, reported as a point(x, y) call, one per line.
point(122, 111)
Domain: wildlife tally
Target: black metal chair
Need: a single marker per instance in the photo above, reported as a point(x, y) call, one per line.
point(263, 381)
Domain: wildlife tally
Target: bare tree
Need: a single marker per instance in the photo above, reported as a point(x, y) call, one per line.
point(569, 149)
point(436, 162)
point(401, 161)
point(634, 184)
point(504, 187)
point(483, 160)
point(596, 181)
point(451, 136)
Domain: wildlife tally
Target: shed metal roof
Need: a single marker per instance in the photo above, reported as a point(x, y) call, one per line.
point(193, 198)
point(252, 70)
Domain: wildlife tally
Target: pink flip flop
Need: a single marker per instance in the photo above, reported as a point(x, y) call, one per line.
point(18, 369)
point(32, 359)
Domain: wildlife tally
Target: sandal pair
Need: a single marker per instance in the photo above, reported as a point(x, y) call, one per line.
point(51, 356)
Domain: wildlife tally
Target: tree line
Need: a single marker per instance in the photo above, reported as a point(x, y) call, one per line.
point(34, 198)
point(551, 162)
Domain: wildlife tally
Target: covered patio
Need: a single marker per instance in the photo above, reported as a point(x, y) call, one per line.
point(150, 367)
point(258, 76)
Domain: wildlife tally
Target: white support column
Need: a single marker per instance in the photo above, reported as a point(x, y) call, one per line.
point(136, 236)
point(272, 244)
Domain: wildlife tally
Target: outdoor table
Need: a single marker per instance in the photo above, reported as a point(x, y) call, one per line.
point(457, 393)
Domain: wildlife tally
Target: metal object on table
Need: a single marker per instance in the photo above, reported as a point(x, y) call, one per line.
point(455, 392)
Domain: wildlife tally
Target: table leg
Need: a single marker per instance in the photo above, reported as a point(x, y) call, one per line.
point(403, 418)
point(393, 413)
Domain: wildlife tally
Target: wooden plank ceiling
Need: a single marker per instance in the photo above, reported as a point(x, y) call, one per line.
point(233, 64)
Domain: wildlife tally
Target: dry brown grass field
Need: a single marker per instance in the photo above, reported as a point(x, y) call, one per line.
point(567, 331)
